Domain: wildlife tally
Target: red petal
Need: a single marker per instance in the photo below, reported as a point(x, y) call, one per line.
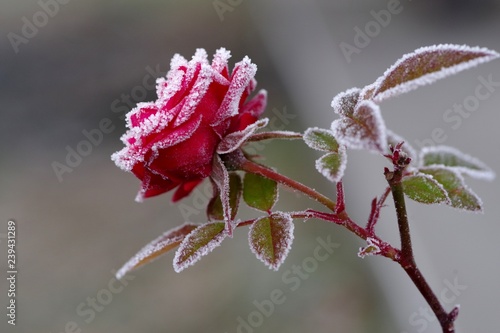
point(185, 189)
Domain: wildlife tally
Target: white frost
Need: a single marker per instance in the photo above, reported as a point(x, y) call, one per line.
point(364, 129)
point(333, 175)
point(282, 225)
point(371, 249)
point(186, 247)
point(345, 102)
point(234, 140)
point(483, 55)
point(157, 245)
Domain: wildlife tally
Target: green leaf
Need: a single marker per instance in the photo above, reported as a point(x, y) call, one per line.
point(451, 157)
point(424, 189)
point(271, 238)
point(259, 192)
point(157, 247)
point(332, 165)
point(199, 243)
point(460, 196)
point(320, 139)
point(215, 211)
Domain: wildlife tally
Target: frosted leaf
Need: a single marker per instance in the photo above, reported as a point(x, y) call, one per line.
point(367, 91)
point(270, 238)
point(234, 140)
point(363, 129)
point(452, 157)
point(460, 195)
point(259, 192)
point(215, 212)
point(320, 139)
point(200, 242)
point(220, 177)
point(219, 62)
point(242, 76)
point(345, 102)
point(196, 93)
point(372, 248)
point(157, 247)
point(393, 139)
point(427, 65)
point(332, 165)
point(424, 189)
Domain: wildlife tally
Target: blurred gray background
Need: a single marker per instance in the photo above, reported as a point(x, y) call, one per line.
point(85, 61)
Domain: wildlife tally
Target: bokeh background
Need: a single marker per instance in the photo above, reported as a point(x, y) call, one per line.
point(87, 60)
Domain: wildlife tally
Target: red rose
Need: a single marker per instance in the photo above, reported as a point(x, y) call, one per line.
point(171, 142)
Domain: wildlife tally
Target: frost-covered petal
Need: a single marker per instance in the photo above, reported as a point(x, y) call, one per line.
point(243, 74)
point(234, 140)
point(256, 105)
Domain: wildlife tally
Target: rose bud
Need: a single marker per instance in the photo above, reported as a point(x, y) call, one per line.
point(171, 142)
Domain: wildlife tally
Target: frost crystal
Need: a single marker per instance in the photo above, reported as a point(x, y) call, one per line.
point(234, 140)
point(270, 238)
point(364, 129)
point(345, 102)
point(199, 243)
point(371, 249)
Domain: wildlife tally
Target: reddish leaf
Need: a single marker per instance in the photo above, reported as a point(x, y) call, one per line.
point(363, 129)
point(199, 243)
point(426, 65)
point(157, 247)
point(271, 238)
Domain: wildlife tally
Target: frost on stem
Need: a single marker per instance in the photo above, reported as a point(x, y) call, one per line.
point(373, 248)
